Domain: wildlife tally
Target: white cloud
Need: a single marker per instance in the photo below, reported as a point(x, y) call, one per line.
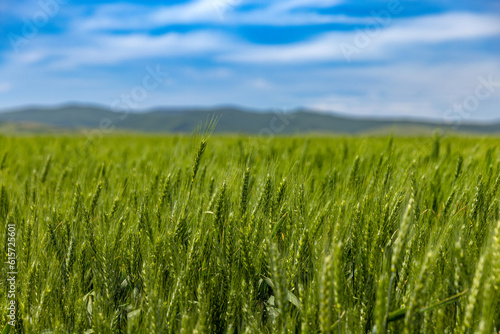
point(127, 16)
point(112, 49)
point(411, 90)
point(402, 35)
point(444, 27)
point(406, 33)
point(291, 12)
point(220, 12)
point(295, 4)
point(318, 49)
point(192, 12)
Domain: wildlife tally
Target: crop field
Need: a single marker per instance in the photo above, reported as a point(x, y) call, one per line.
point(235, 234)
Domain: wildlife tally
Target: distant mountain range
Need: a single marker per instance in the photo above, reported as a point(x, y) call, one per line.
point(231, 120)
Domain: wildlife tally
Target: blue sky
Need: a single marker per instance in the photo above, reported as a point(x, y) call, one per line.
point(380, 58)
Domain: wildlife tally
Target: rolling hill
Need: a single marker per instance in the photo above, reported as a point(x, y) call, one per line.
point(232, 120)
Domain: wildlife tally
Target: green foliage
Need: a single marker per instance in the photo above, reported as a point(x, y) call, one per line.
point(249, 235)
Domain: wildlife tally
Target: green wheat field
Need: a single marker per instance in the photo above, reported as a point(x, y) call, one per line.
point(235, 234)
